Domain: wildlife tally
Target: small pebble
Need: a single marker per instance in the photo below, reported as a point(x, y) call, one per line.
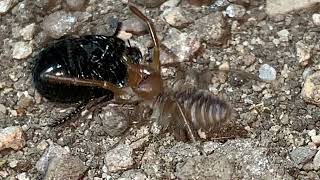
point(5, 5)
point(119, 158)
point(210, 28)
point(235, 11)
point(183, 45)
point(124, 35)
point(224, 67)
point(21, 50)
point(219, 4)
point(28, 31)
point(307, 72)
point(53, 151)
point(59, 23)
point(301, 155)
point(13, 163)
point(316, 19)
point(134, 26)
point(283, 35)
point(76, 5)
point(316, 161)
point(176, 17)
point(303, 53)
point(3, 109)
point(42, 145)
point(312, 132)
point(65, 167)
point(113, 122)
point(149, 3)
point(23, 176)
point(133, 174)
point(169, 4)
point(12, 137)
point(267, 73)
point(311, 89)
point(249, 60)
point(316, 139)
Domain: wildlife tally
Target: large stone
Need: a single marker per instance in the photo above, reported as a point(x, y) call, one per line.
point(5, 5)
point(311, 89)
point(119, 158)
point(283, 6)
point(12, 137)
point(59, 23)
point(65, 167)
point(302, 155)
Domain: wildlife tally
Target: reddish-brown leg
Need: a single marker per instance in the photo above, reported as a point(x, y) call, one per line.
point(156, 65)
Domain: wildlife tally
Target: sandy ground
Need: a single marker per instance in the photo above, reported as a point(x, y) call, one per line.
point(271, 81)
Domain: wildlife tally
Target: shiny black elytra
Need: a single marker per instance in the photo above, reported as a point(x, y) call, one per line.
point(95, 57)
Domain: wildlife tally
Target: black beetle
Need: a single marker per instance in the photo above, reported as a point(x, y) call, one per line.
point(95, 57)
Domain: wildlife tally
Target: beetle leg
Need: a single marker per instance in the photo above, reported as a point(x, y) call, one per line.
point(84, 82)
point(156, 50)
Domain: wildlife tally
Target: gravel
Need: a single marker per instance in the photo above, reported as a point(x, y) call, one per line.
point(260, 56)
point(233, 160)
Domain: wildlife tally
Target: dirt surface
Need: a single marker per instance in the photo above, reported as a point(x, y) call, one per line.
point(277, 127)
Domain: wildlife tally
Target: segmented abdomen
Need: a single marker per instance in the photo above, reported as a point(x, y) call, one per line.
point(202, 110)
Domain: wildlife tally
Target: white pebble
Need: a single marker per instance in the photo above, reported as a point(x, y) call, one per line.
point(23, 176)
point(267, 73)
point(312, 132)
point(316, 19)
point(284, 35)
point(28, 31)
point(21, 50)
point(316, 139)
point(5, 5)
point(235, 11)
point(316, 161)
